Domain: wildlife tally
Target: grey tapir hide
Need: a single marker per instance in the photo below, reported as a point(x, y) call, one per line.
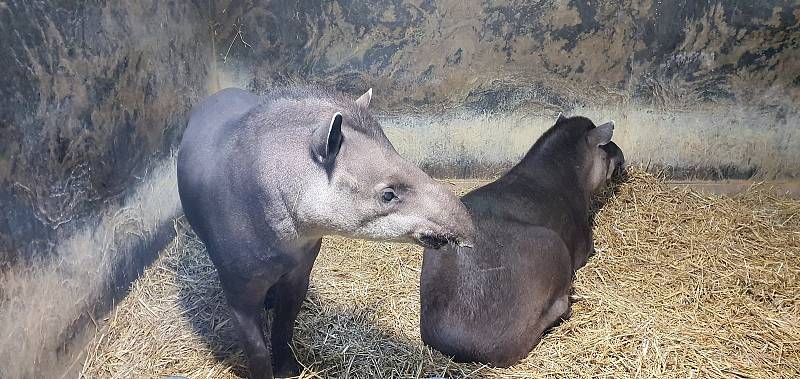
point(262, 179)
point(491, 303)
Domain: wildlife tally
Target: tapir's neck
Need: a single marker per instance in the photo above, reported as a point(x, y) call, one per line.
point(282, 180)
point(556, 171)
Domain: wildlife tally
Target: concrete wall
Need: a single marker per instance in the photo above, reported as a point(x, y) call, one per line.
point(96, 94)
point(92, 92)
point(707, 89)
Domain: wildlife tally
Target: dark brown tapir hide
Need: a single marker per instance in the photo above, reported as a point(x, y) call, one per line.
point(492, 303)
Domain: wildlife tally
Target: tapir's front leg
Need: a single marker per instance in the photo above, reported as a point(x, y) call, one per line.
point(246, 300)
point(249, 321)
point(289, 298)
point(290, 292)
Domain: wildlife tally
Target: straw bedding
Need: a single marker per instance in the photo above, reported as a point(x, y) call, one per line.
point(683, 285)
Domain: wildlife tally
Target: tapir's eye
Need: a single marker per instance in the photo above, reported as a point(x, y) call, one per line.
point(388, 195)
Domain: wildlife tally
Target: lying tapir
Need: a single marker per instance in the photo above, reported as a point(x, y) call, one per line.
point(263, 179)
point(493, 302)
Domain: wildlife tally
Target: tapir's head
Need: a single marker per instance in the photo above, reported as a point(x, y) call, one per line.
point(615, 159)
point(604, 156)
point(590, 148)
point(366, 190)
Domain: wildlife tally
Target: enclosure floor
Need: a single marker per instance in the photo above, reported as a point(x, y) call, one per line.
point(683, 285)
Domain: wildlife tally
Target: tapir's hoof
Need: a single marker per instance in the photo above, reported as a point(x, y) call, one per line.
point(287, 369)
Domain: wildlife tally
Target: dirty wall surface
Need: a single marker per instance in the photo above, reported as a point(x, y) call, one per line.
point(91, 92)
point(96, 95)
point(707, 89)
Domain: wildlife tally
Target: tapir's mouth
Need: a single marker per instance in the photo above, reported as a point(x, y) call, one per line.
point(432, 241)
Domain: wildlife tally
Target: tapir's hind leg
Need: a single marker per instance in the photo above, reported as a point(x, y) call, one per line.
point(289, 294)
point(560, 311)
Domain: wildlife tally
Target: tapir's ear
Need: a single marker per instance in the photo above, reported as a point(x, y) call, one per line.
point(363, 101)
point(328, 140)
point(601, 134)
point(561, 118)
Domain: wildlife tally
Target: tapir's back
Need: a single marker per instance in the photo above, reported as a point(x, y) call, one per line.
point(491, 303)
point(208, 120)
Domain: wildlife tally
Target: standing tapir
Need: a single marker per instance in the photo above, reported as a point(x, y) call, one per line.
point(493, 302)
point(263, 179)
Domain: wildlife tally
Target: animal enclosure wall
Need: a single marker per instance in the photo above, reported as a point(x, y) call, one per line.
point(96, 95)
point(706, 89)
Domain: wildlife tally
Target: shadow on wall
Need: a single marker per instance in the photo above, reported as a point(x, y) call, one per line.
point(47, 304)
point(92, 93)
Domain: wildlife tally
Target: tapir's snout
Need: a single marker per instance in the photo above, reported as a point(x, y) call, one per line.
point(465, 233)
point(616, 158)
point(448, 221)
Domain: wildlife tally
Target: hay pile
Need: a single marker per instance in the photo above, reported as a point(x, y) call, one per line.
point(683, 285)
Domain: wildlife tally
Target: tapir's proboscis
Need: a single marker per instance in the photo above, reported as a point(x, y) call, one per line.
point(492, 303)
point(263, 178)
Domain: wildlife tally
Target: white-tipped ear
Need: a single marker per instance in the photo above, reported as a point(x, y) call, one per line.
point(363, 101)
point(327, 140)
point(601, 134)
